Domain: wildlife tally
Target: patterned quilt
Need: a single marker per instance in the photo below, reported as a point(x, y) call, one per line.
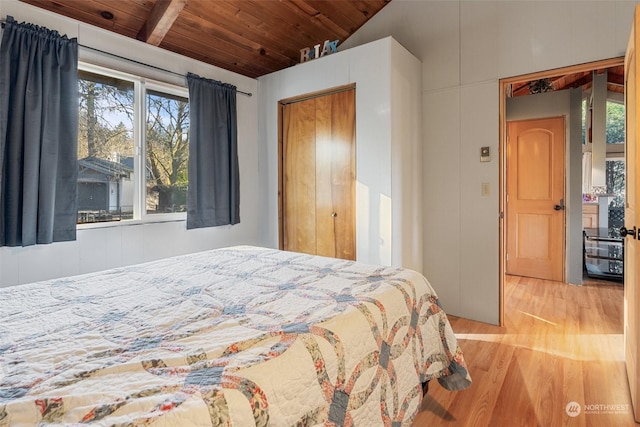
point(241, 336)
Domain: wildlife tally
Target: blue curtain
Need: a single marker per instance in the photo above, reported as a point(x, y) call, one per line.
point(38, 135)
point(214, 180)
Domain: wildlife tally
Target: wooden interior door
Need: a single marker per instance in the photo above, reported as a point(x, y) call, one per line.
point(318, 175)
point(535, 198)
point(632, 219)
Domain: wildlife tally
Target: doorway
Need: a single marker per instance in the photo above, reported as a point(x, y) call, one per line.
point(573, 77)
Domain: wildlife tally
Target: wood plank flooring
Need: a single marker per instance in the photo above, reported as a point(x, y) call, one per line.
point(560, 344)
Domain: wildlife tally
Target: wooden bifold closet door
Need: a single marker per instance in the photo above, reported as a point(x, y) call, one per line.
point(317, 174)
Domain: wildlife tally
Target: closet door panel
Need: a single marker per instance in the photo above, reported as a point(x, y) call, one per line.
point(299, 176)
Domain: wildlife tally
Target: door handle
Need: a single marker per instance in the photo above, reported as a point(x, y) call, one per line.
point(559, 207)
point(624, 232)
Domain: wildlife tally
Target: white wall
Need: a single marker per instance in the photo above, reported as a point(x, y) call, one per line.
point(465, 48)
point(112, 246)
point(406, 159)
point(388, 149)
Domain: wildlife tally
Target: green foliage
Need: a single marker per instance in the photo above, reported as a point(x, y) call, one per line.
point(615, 123)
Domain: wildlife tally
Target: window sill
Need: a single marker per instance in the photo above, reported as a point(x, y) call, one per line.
point(156, 219)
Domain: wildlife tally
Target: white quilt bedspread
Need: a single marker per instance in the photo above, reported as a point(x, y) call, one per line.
point(232, 337)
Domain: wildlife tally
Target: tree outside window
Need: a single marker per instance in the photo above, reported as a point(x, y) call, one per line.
point(167, 152)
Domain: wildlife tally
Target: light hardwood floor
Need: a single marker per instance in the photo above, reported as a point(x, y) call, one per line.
point(560, 344)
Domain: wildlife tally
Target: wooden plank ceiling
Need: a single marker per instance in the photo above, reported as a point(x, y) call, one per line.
point(249, 37)
point(615, 82)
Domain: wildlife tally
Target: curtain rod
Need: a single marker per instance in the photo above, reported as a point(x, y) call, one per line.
point(145, 64)
point(2, 21)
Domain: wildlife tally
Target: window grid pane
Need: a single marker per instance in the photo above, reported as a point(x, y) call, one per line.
point(105, 148)
point(167, 152)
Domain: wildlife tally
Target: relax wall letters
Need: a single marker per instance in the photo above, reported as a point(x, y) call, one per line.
point(309, 53)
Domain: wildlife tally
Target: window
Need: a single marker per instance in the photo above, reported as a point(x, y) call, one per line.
point(615, 123)
point(615, 166)
point(105, 148)
point(133, 147)
point(167, 151)
point(614, 126)
point(616, 181)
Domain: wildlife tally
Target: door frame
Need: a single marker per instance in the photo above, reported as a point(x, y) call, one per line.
point(281, 104)
point(504, 84)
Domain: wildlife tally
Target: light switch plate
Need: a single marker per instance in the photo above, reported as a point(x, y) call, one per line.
point(485, 154)
point(485, 189)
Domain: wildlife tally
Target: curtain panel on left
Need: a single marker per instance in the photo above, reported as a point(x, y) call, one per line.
point(38, 135)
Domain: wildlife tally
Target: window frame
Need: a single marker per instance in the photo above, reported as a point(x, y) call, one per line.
point(140, 87)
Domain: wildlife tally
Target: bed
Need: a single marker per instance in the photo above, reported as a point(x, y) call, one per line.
point(239, 336)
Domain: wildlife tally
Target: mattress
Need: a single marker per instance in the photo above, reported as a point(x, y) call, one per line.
point(240, 336)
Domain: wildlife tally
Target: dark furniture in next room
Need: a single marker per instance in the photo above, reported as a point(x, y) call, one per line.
point(603, 254)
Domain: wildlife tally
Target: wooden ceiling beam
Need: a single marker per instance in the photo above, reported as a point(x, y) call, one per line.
point(617, 79)
point(520, 89)
point(160, 20)
point(250, 37)
point(584, 80)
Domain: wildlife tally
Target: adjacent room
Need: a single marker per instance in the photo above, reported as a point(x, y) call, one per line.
point(301, 212)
